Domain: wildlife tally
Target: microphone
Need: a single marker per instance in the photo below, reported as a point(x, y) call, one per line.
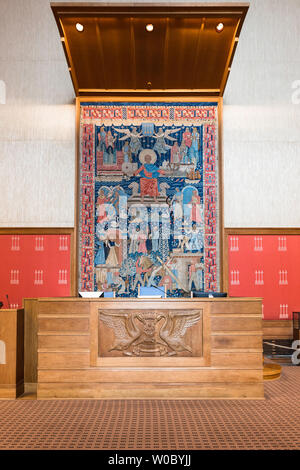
point(155, 287)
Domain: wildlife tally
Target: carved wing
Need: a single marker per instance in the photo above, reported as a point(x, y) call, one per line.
point(182, 321)
point(118, 322)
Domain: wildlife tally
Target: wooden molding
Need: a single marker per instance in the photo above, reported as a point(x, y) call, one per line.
point(221, 193)
point(36, 230)
point(263, 231)
point(164, 99)
point(196, 99)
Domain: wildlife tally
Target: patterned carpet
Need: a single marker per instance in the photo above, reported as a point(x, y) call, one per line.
point(157, 424)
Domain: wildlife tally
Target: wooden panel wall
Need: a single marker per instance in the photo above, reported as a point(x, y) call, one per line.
point(12, 369)
point(64, 356)
point(30, 344)
point(278, 329)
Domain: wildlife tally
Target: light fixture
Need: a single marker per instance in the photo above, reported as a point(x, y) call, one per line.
point(220, 27)
point(79, 27)
point(149, 27)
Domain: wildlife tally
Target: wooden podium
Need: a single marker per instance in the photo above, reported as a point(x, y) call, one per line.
point(138, 348)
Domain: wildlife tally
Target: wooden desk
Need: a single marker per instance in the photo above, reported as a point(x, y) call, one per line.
point(11, 353)
point(126, 348)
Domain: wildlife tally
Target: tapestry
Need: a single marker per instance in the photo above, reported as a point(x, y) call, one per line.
point(148, 197)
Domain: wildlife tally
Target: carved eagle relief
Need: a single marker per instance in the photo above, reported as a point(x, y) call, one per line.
point(150, 333)
point(124, 327)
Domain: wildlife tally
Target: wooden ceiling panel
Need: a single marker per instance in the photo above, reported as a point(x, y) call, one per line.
point(115, 54)
point(149, 52)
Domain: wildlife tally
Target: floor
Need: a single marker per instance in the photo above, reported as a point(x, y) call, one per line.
point(273, 423)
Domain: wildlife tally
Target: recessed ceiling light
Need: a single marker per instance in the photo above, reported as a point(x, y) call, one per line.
point(79, 27)
point(219, 27)
point(149, 27)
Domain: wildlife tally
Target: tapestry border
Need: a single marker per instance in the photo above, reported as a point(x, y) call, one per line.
point(154, 99)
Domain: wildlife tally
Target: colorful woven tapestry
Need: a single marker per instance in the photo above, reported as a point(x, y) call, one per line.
point(148, 197)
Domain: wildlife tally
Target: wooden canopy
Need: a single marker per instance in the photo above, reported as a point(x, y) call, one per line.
point(115, 54)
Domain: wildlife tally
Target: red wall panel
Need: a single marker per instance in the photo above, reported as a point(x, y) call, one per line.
point(266, 266)
point(34, 266)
